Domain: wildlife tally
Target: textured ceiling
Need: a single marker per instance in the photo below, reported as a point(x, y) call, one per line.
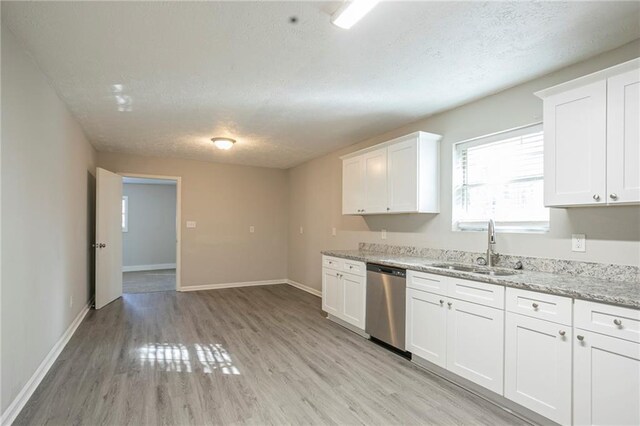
point(182, 72)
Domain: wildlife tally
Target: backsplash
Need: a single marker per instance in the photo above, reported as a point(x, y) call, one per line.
point(603, 271)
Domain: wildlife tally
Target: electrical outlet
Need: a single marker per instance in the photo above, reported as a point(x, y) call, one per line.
point(333, 231)
point(71, 301)
point(301, 230)
point(252, 229)
point(578, 242)
point(191, 224)
point(383, 234)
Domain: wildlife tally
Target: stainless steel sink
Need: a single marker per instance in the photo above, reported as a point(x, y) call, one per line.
point(474, 270)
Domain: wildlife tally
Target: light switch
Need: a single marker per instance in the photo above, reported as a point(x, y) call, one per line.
point(301, 230)
point(252, 229)
point(333, 231)
point(191, 224)
point(383, 234)
point(578, 242)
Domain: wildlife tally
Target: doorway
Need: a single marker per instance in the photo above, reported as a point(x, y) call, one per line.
point(150, 233)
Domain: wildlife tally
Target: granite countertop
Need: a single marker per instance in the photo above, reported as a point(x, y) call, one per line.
point(578, 287)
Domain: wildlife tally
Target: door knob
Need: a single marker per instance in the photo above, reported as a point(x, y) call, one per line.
point(613, 196)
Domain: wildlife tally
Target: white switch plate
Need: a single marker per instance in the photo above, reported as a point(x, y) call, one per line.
point(252, 229)
point(383, 234)
point(578, 242)
point(333, 231)
point(191, 224)
point(301, 230)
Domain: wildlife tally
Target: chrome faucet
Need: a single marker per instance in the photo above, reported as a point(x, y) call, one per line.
point(491, 242)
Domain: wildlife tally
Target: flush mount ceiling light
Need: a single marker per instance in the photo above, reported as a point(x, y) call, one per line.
point(223, 143)
point(352, 12)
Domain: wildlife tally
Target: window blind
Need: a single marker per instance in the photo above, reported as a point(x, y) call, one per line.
point(501, 177)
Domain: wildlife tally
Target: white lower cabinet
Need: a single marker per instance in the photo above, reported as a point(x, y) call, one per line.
point(606, 381)
point(426, 326)
point(344, 294)
point(475, 343)
point(538, 366)
point(353, 299)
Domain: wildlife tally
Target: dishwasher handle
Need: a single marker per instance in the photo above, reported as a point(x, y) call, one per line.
point(388, 270)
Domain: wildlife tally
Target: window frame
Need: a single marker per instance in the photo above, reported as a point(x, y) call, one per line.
point(522, 227)
point(125, 213)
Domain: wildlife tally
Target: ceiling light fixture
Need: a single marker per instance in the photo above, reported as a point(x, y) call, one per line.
point(223, 143)
point(352, 12)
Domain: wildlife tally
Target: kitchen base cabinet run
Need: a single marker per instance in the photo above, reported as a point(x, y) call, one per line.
point(344, 290)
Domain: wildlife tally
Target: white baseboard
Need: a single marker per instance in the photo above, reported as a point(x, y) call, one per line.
point(232, 285)
point(157, 266)
point(305, 288)
point(21, 399)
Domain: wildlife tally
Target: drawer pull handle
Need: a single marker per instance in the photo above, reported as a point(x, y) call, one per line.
point(350, 267)
point(535, 305)
point(449, 303)
point(617, 322)
point(581, 338)
point(562, 332)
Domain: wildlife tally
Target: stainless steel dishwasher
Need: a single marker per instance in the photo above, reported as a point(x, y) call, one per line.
point(386, 290)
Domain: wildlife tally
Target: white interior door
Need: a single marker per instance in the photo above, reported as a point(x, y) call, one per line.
point(108, 243)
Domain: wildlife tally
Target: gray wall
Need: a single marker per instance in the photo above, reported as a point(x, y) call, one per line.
point(151, 239)
point(224, 200)
point(47, 198)
point(613, 233)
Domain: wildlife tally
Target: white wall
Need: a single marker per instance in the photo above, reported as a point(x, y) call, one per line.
point(151, 238)
point(47, 198)
point(613, 233)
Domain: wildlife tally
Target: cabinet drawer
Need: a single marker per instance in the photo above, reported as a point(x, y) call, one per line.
point(614, 321)
point(539, 305)
point(477, 292)
point(427, 282)
point(332, 262)
point(355, 267)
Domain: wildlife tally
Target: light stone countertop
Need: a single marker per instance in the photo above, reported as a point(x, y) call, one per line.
point(620, 293)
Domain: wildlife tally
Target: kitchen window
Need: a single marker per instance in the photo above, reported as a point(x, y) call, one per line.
point(500, 177)
point(125, 213)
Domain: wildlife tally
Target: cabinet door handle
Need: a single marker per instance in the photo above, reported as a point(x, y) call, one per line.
point(562, 332)
point(441, 302)
point(613, 196)
point(617, 321)
point(388, 209)
point(581, 338)
point(535, 305)
point(596, 197)
point(449, 303)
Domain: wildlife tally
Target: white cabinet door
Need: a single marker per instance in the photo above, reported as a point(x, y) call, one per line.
point(475, 343)
point(354, 298)
point(353, 188)
point(331, 292)
point(375, 178)
point(606, 380)
point(402, 171)
point(538, 366)
point(426, 326)
point(623, 138)
point(575, 157)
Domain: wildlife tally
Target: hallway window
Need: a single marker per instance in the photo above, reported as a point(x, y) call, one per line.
point(125, 213)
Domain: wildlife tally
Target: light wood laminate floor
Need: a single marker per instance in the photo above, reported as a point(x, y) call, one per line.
point(256, 355)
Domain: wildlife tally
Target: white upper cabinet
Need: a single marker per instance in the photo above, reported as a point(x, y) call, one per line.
point(623, 138)
point(592, 139)
point(375, 181)
point(352, 185)
point(399, 176)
